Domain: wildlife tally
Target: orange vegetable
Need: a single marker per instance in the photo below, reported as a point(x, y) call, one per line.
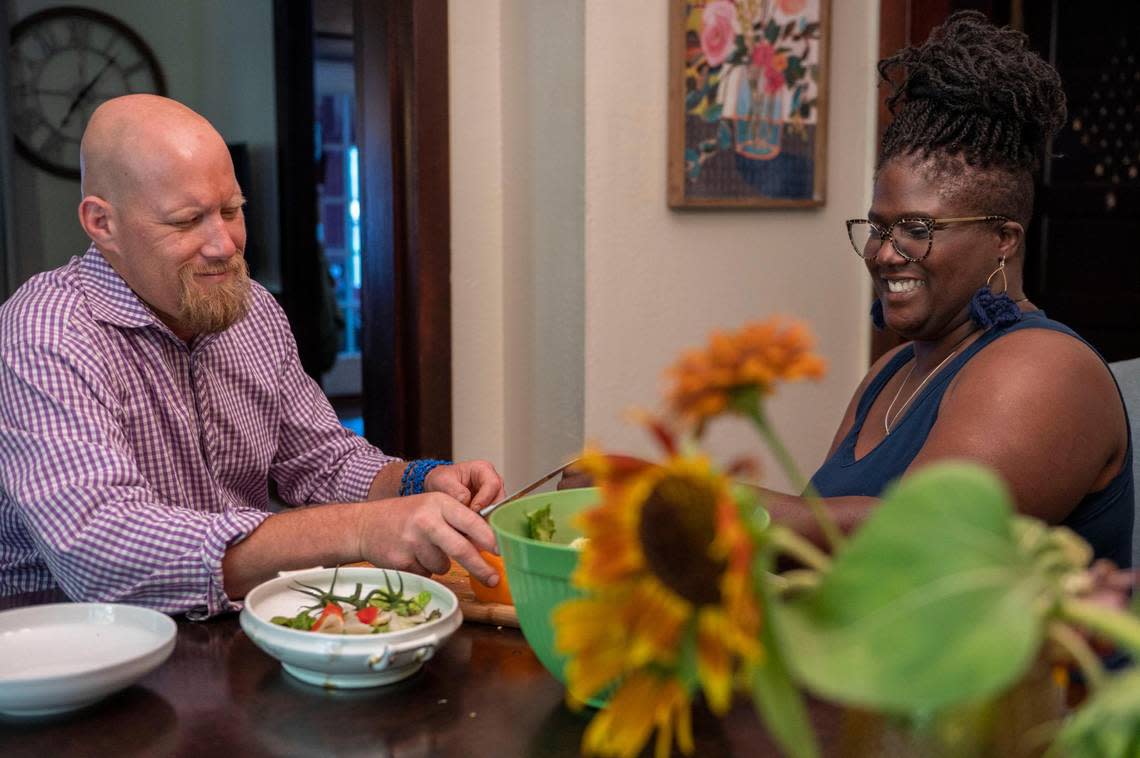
point(500, 593)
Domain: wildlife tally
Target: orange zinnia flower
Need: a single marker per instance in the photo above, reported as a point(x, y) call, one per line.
point(704, 381)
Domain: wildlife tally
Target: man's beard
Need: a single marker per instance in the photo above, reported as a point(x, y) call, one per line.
point(208, 310)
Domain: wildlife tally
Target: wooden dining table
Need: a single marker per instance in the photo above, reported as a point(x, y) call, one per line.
point(483, 694)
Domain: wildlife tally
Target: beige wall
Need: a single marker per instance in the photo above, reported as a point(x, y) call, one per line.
point(654, 280)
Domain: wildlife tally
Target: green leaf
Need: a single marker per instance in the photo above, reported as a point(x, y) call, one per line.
point(540, 524)
point(930, 604)
point(772, 32)
point(774, 693)
point(724, 135)
point(795, 70)
point(1108, 725)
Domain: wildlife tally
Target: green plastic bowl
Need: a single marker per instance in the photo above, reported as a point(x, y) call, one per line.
point(539, 572)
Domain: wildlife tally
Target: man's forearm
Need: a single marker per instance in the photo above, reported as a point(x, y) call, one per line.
point(321, 535)
point(386, 483)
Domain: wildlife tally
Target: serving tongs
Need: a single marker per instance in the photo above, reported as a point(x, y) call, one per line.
point(486, 510)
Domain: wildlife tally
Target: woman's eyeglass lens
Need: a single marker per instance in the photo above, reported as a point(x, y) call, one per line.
point(911, 238)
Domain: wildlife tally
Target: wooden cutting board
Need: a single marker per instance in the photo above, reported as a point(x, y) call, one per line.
point(458, 581)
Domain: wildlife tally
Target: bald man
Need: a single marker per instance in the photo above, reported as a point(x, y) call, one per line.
point(149, 391)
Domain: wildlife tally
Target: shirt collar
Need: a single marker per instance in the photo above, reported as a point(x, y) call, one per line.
point(111, 299)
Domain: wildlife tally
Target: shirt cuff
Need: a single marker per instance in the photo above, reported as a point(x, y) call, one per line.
point(354, 480)
point(227, 529)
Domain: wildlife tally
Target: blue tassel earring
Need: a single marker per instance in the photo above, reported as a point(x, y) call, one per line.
point(877, 319)
point(988, 309)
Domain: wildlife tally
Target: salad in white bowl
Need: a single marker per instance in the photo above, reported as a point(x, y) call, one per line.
point(351, 627)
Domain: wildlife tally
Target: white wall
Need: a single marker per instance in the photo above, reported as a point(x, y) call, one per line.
point(217, 58)
point(655, 280)
point(517, 100)
point(659, 280)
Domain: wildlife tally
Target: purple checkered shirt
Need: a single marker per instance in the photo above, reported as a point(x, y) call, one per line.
point(130, 461)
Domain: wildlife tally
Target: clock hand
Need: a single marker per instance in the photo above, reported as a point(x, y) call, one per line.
point(83, 92)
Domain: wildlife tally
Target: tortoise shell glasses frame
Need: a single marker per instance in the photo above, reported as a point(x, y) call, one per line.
point(912, 237)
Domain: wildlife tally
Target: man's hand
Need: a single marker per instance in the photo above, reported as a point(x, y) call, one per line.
point(475, 484)
point(422, 533)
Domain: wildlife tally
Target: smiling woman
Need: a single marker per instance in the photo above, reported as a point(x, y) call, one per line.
point(985, 376)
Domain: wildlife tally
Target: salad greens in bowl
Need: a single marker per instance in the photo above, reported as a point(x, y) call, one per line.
point(350, 627)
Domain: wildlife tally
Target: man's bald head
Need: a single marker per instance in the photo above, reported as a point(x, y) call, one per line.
point(133, 139)
point(163, 208)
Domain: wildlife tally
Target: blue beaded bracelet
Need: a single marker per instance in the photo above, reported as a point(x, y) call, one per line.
point(412, 481)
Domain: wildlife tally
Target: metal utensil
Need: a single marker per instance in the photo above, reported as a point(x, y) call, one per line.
point(485, 511)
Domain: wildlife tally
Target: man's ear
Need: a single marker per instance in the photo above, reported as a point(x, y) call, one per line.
point(97, 218)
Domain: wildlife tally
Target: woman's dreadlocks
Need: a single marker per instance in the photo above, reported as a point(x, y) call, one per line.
point(974, 94)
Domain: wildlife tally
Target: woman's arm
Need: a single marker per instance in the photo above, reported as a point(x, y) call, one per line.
point(1041, 409)
point(792, 511)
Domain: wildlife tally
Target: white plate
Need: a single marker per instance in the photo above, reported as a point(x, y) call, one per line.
point(347, 660)
point(56, 658)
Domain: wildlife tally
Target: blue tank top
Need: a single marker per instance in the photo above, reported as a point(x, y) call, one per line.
point(1103, 518)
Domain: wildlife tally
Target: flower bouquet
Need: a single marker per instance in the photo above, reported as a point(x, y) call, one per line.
point(751, 68)
point(926, 617)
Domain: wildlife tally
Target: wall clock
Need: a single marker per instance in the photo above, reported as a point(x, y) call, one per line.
point(63, 63)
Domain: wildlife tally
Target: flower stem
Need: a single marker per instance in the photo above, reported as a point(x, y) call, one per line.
point(796, 580)
point(797, 547)
point(1076, 646)
point(822, 516)
point(1120, 627)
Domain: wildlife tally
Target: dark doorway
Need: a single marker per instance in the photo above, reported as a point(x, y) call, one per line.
point(402, 325)
point(1081, 264)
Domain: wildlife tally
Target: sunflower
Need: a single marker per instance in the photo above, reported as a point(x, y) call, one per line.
point(645, 701)
point(670, 605)
point(703, 382)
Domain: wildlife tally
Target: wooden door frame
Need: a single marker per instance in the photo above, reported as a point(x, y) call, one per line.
point(403, 137)
point(7, 249)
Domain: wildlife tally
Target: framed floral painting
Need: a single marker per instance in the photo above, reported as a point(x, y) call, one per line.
point(747, 103)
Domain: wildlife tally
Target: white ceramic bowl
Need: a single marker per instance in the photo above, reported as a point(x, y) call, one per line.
point(56, 658)
point(347, 660)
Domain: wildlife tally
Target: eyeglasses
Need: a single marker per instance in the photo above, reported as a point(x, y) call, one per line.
point(912, 238)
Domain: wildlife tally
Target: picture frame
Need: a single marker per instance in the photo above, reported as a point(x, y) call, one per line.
point(748, 102)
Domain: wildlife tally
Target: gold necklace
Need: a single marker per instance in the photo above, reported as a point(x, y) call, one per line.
point(887, 415)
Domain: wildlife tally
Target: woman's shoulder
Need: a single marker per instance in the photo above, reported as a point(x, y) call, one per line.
point(1039, 368)
point(1040, 348)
